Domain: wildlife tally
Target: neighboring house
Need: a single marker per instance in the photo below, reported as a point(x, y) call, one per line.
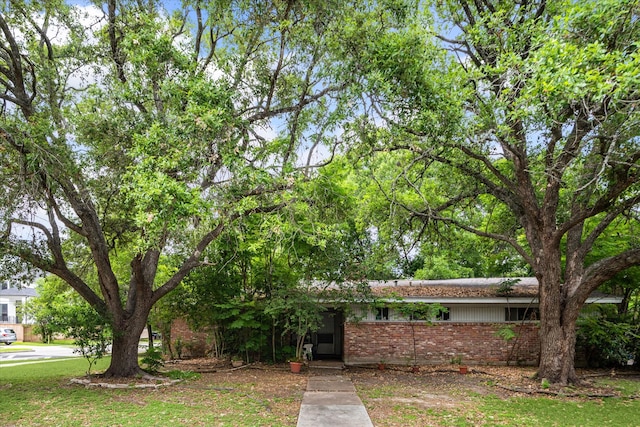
point(11, 299)
point(471, 331)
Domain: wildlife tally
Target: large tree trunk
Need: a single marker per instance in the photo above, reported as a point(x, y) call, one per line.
point(557, 333)
point(557, 351)
point(124, 352)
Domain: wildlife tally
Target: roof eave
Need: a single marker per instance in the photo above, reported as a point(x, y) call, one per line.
point(608, 299)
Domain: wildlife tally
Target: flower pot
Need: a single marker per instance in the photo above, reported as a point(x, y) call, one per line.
point(463, 369)
point(295, 367)
point(381, 366)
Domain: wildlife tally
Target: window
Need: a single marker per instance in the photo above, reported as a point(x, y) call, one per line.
point(512, 314)
point(4, 312)
point(443, 315)
point(382, 313)
point(18, 311)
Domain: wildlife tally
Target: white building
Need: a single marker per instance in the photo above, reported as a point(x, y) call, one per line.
point(11, 299)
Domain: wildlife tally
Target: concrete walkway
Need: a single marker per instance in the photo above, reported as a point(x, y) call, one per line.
point(331, 400)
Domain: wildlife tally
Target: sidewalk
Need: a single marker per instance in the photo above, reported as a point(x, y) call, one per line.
point(332, 401)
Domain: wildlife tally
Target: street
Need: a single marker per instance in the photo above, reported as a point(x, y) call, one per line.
point(25, 352)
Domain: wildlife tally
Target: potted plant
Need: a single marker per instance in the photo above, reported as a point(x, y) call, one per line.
point(295, 365)
point(381, 365)
point(462, 368)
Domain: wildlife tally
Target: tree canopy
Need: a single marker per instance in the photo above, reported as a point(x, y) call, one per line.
point(518, 122)
point(126, 126)
point(130, 133)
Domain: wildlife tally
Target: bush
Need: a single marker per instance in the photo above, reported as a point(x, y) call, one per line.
point(91, 332)
point(608, 342)
point(152, 360)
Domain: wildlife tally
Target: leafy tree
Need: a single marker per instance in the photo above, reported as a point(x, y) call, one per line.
point(91, 332)
point(626, 283)
point(59, 310)
point(298, 310)
point(46, 308)
point(412, 249)
point(128, 126)
point(518, 122)
point(260, 262)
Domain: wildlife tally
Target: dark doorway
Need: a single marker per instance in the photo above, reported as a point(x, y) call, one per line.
point(327, 342)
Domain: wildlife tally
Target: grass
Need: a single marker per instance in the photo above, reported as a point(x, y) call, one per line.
point(12, 349)
point(51, 369)
point(622, 411)
point(398, 405)
point(560, 412)
point(41, 395)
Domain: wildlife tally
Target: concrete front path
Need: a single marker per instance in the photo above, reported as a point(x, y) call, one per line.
point(331, 400)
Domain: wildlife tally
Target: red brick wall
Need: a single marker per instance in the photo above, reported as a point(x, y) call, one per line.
point(193, 344)
point(475, 343)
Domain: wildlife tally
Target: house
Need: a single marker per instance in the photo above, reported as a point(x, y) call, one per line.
point(11, 299)
point(487, 321)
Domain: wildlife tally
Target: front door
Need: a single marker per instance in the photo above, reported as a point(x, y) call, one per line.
point(328, 340)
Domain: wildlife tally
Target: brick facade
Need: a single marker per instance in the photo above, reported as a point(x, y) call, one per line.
point(187, 343)
point(474, 343)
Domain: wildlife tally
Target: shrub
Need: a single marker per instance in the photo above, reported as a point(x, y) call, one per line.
point(152, 360)
point(607, 342)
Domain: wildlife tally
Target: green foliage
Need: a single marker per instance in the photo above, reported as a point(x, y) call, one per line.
point(608, 342)
point(49, 307)
point(134, 132)
point(179, 346)
point(245, 326)
point(516, 122)
point(505, 288)
point(91, 332)
point(298, 310)
point(506, 333)
point(456, 360)
point(152, 360)
point(417, 310)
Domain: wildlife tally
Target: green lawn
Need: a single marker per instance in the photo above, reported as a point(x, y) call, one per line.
point(399, 405)
point(41, 395)
point(544, 411)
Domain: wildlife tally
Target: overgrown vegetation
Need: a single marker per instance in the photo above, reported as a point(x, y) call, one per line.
point(607, 339)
